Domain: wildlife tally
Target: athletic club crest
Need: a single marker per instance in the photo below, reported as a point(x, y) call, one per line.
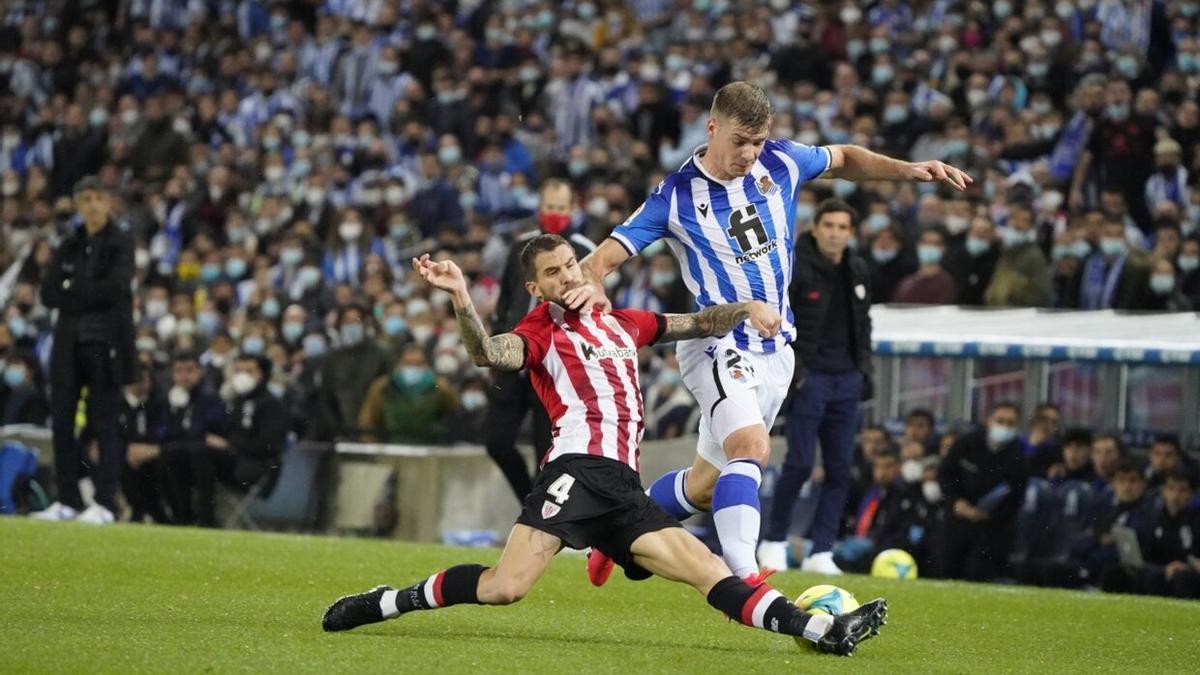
point(550, 509)
point(766, 186)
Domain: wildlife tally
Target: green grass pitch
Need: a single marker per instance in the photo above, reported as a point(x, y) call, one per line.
point(75, 598)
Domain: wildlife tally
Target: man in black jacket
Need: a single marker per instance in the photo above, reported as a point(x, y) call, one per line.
point(511, 395)
point(141, 419)
point(983, 479)
point(191, 418)
point(88, 281)
point(257, 425)
point(833, 354)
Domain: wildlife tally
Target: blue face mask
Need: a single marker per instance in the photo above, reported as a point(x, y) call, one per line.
point(661, 279)
point(14, 376)
point(208, 322)
point(235, 268)
point(977, 247)
point(292, 330)
point(877, 221)
point(883, 255)
point(314, 346)
point(270, 308)
point(18, 326)
point(1162, 284)
point(394, 325)
point(416, 379)
point(928, 254)
point(1112, 247)
point(210, 272)
point(1081, 249)
point(805, 212)
point(352, 334)
point(895, 114)
point(1001, 435)
point(844, 188)
point(291, 256)
point(253, 345)
point(1188, 263)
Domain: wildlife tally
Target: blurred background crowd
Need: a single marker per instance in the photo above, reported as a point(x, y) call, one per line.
point(278, 163)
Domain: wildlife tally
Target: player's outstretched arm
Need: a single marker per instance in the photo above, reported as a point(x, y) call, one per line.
point(503, 352)
point(852, 162)
point(720, 319)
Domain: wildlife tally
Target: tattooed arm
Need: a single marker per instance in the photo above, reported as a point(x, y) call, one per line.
point(720, 319)
point(503, 352)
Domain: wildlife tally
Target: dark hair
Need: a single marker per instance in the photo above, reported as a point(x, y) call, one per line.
point(89, 183)
point(1171, 440)
point(1115, 438)
point(920, 412)
point(834, 205)
point(1127, 465)
point(999, 405)
point(888, 452)
point(1047, 405)
point(743, 103)
point(185, 356)
point(264, 364)
point(1175, 475)
point(555, 182)
point(539, 244)
point(1077, 435)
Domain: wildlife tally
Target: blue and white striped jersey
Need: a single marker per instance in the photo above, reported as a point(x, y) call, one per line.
point(733, 239)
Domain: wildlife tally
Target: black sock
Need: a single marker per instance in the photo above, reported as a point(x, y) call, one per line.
point(452, 586)
point(763, 607)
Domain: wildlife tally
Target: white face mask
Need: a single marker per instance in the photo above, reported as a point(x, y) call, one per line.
point(350, 230)
point(178, 397)
point(473, 400)
point(932, 491)
point(243, 383)
point(422, 333)
point(911, 470)
point(445, 364)
point(156, 308)
point(273, 173)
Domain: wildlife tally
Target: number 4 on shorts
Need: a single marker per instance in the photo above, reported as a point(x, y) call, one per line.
point(561, 488)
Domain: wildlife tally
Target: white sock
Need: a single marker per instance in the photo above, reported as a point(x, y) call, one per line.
point(387, 604)
point(821, 557)
point(818, 625)
point(736, 515)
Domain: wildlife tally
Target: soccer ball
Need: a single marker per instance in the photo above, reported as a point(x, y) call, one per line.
point(827, 599)
point(824, 599)
point(894, 563)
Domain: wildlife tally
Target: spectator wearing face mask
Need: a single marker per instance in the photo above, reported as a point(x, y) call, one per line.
point(468, 424)
point(972, 264)
point(347, 374)
point(192, 418)
point(408, 405)
point(1169, 182)
point(889, 262)
point(1022, 276)
point(22, 395)
point(1119, 153)
point(140, 420)
point(670, 409)
point(930, 284)
point(347, 247)
point(511, 396)
point(1165, 293)
point(256, 432)
point(1114, 277)
point(657, 288)
point(302, 396)
point(983, 478)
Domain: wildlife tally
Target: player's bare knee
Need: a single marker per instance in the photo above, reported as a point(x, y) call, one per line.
point(756, 447)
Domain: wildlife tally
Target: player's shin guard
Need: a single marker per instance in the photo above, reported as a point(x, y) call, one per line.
point(668, 492)
point(764, 607)
point(736, 514)
point(452, 586)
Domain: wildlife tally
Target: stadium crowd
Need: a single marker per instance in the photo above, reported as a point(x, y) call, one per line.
point(278, 163)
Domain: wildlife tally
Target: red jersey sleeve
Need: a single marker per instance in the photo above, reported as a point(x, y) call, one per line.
point(645, 327)
point(536, 330)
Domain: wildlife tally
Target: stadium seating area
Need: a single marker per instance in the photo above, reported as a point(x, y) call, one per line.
point(278, 162)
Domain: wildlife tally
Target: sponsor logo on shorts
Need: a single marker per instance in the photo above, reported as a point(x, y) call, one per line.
point(550, 509)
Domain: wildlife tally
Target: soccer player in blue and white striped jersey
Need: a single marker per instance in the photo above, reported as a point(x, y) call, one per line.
point(728, 215)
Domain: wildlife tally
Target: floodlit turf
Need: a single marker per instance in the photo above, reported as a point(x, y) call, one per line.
point(77, 598)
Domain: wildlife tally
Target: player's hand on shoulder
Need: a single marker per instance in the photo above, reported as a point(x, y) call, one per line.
point(764, 318)
point(444, 275)
point(934, 171)
point(583, 298)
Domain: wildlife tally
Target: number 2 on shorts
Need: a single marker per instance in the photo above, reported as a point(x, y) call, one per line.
point(560, 489)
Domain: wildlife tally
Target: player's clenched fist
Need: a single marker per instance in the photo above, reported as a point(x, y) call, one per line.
point(764, 318)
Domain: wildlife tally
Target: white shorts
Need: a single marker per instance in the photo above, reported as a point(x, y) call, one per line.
point(734, 389)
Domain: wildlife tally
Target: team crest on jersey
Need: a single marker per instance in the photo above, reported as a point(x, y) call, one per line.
point(738, 375)
point(550, 509)
point(767, 187)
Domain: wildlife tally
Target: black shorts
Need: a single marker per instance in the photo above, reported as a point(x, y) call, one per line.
point(594, 501)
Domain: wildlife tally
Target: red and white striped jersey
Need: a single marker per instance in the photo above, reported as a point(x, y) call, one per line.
point(584, 369)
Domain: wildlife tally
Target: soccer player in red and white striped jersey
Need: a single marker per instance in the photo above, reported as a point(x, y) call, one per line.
point(588, 493)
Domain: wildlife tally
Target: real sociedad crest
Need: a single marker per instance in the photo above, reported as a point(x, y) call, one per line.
point(766, 186)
